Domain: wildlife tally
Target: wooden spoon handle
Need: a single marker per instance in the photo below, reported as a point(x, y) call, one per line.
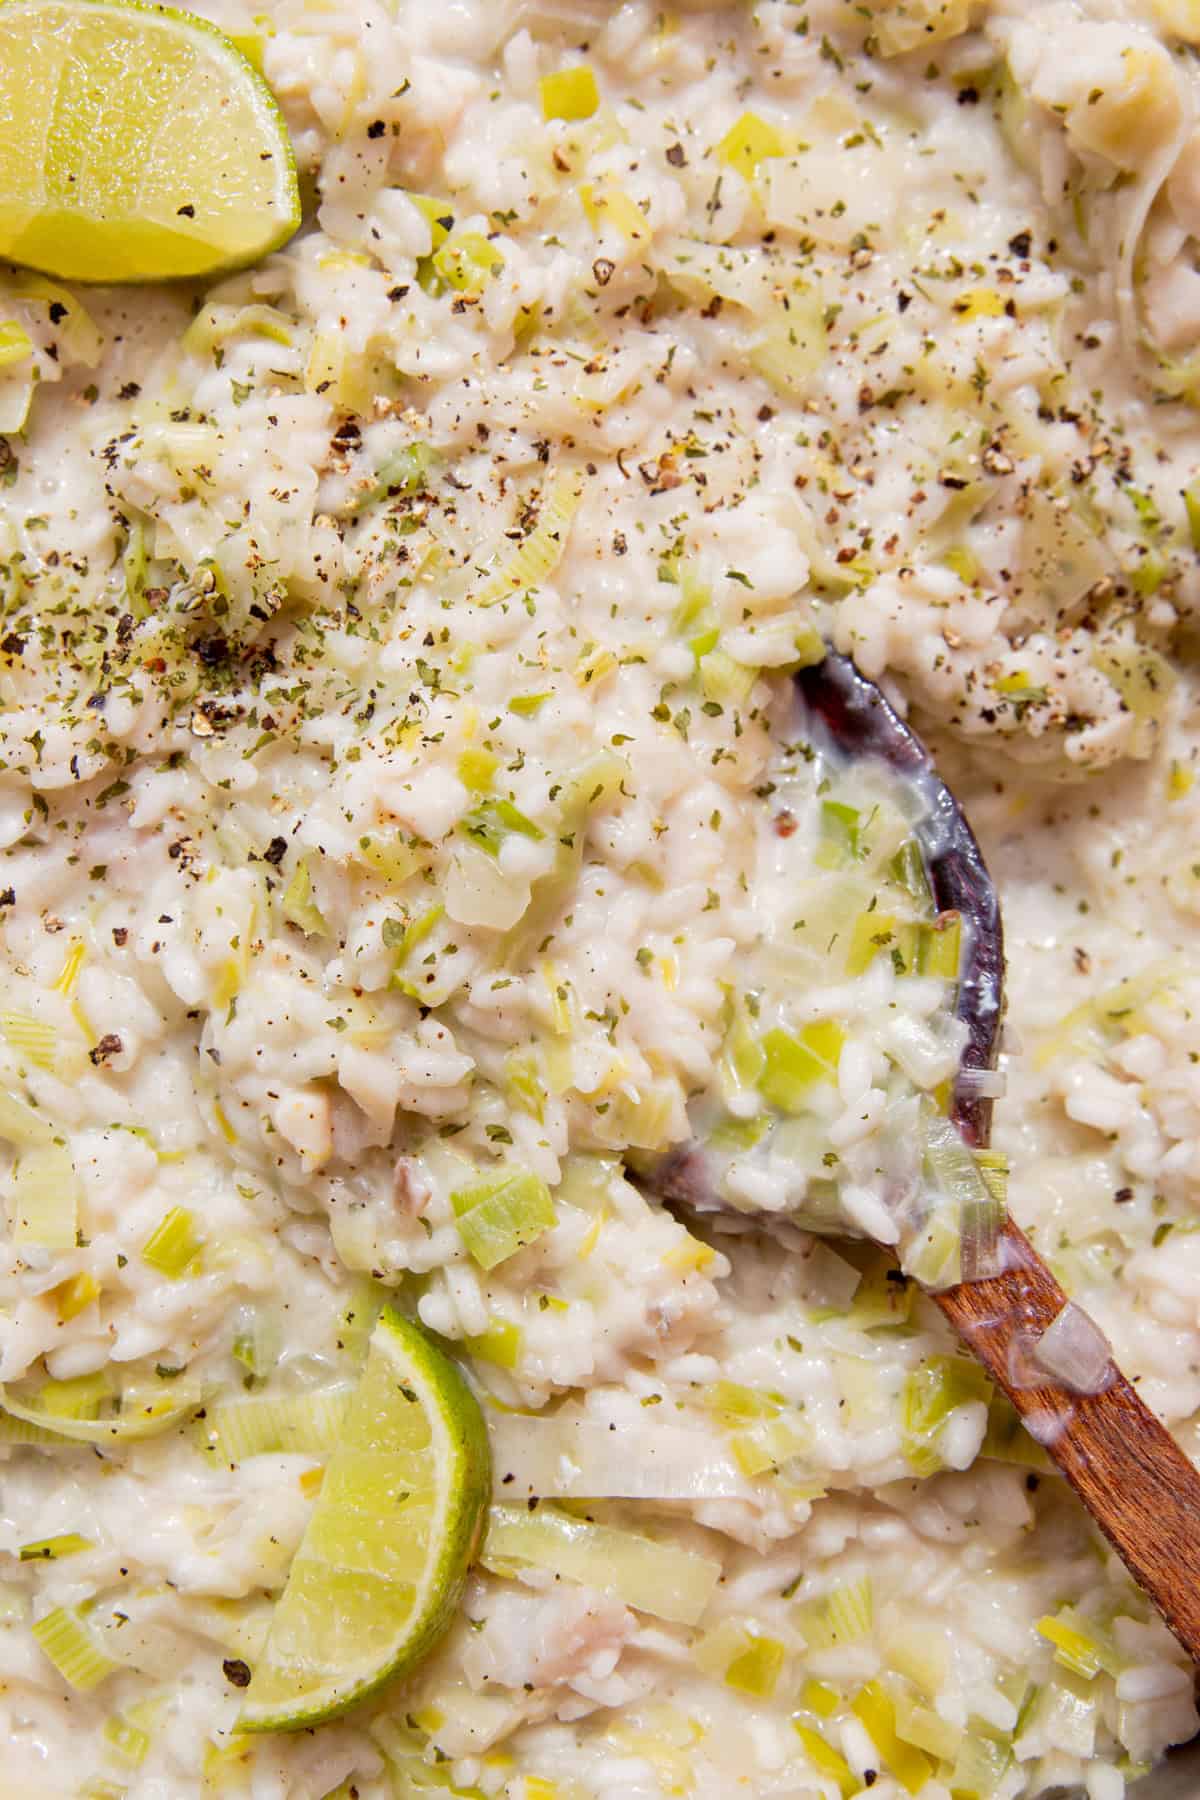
point(1136, 1482)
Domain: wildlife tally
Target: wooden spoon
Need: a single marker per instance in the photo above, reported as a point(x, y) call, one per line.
point(1136, 1482)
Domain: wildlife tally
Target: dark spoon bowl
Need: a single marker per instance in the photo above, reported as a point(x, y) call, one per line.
point(842, 709)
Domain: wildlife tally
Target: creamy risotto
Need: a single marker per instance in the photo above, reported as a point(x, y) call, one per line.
point(401, 800)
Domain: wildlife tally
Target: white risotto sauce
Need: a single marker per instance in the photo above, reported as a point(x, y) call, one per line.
point(394, 667)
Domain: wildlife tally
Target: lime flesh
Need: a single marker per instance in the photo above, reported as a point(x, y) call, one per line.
point(136, 144)
point(381, 1566)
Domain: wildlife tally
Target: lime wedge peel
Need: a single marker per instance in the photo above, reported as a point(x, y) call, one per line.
point(137, 143)
point(383, 1561)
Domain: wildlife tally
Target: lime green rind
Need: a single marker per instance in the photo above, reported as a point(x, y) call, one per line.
point(369, 1596)
point(91, 183)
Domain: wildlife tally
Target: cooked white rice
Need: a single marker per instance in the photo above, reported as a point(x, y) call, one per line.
point(371, 815)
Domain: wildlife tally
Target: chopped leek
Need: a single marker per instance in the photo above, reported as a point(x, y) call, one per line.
point(941, 946)
point(874, 1710)
point(613, 206)
point(650, 1576)
point(931, 1393)
point(1080, 1645)
point(541, 552)
point(268, 1424)
point(139, 1417)
point(502, 1213)
point(75, 1296)
point(298, 906)
point(749, 142)
point(795, 1063)
point(69, 1543)
point(68, 975)
point(79, 1398)
point(126, 1739)
point(404, 471)
point(1006, 1439)
point(65, 1638)
point(33, 1038)
point(44, 1203)
point(742, 1658)
point(489, 823)
point(981, 1765)
point(826, 1760)
point(569, 94)
point(845, 1616)
point(256, 1342)
point(16, 345)
point(927, 1730)
point(476, 768)
point(499, 1344)
point(173, 1245)
point(978, 1203)
point(467, 261)
point(413, 933)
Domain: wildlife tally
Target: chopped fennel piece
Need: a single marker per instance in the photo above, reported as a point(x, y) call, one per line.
point(64, 1636)
point(44, 1204)
point(501, 1213)
point(649, 1575)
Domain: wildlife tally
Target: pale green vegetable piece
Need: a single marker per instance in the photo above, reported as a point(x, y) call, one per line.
point(64, 1636)
point(269, 1424)
point(46, 1193)
point(501, 1213)
point(142, 1416)
point(382, 1563)
point(173, 1245)
point(651, 1576)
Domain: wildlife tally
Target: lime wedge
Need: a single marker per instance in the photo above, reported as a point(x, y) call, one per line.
point(136, 144)
point(382, 1563)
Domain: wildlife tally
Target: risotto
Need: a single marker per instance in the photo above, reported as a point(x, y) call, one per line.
point(401, 801)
